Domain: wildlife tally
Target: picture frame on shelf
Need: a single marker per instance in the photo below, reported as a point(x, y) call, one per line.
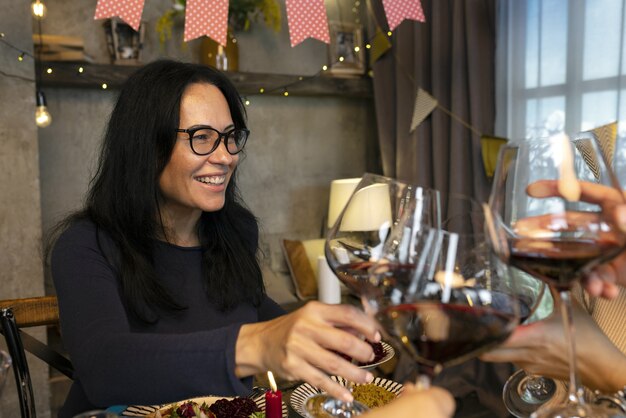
point(344, 59)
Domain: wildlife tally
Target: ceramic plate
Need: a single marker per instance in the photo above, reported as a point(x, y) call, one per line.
point(304, 391)
point(143, 410)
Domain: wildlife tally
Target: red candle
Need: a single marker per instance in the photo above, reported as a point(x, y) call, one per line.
point(273, 404)
point(273, 399)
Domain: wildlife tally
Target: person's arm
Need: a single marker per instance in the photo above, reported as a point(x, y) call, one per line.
point(269, 309)
point(297, 346)
point(540, 348)
point(117, 365)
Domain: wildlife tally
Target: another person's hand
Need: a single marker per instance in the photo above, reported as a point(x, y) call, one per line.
point(300, 345)
point(430, 403)
point(605, 279)
point(540, 348)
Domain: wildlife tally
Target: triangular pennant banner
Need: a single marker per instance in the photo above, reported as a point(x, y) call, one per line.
point(379, 45)
point(206, 17)
point(424, 105)
point(606, 135)
point(398, 10)
point(307, 19)
point(490, 147)
point(590, 156)
point(128, 10)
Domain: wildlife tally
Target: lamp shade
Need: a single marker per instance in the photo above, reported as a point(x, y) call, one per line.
point(340, 192)
point(368, 210)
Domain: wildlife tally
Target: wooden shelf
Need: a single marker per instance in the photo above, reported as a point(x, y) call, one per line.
point(65, 74)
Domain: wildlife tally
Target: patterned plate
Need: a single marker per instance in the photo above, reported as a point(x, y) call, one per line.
point(304, 391)
point(144, 410)
point(389, 353)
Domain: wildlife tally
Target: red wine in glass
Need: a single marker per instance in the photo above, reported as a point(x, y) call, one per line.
point(559, 262)
point(441, 334)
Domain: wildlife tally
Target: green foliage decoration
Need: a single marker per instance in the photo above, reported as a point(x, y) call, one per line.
point(241, 15)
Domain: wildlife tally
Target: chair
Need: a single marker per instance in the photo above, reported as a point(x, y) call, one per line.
point(16, 314)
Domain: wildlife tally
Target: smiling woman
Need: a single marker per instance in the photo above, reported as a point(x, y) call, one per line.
point(160, 293)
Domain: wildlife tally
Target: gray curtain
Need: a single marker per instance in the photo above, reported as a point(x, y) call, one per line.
point(451, 56)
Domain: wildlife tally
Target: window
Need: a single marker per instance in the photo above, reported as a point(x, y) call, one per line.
point(562, 67)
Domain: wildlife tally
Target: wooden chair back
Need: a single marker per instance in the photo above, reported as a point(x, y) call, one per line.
point(16, 314)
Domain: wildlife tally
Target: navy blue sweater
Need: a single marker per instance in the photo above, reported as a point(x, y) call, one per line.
point(118, 361)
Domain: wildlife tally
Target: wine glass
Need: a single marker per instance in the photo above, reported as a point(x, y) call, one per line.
point(380, 210)
point(355, 243)
point(543, 226)
point(523, 393)
point(451, 300)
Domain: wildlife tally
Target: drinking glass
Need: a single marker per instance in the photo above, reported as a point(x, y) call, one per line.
point(543, 226)
point(451, 299)
point(523, 393)
point(355, 242)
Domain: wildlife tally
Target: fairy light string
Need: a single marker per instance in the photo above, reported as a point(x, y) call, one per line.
point(283, 89)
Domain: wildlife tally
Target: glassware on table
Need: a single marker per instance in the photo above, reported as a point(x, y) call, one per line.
point(523, 393)
point(355, 242)
point(555, 235)
point(369, 220)
point(451, 300)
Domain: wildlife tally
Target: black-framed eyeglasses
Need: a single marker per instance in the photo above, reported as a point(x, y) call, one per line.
point(204, 139)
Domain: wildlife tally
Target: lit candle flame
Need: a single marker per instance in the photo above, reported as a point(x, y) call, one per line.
point(270, 377)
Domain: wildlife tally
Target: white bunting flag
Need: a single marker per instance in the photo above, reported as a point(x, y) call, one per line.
point(424, 105)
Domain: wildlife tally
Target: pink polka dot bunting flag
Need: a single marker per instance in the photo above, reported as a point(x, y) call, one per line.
point(128, 10)
point(398, 10)
point(307, 19)
point(206, 17)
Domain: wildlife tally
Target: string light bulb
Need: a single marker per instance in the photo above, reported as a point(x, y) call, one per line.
point(42, 116)
point(39, 9)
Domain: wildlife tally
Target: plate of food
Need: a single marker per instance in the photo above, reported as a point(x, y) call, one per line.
point(378, 393)
point(211, 406)
point(383, 352)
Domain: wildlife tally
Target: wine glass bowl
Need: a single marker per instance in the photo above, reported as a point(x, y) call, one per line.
point(550, 203)
point(368, 222)
point(449, 300)
point(356, 240)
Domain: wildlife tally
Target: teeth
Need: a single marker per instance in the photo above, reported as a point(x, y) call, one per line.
point(212, 179)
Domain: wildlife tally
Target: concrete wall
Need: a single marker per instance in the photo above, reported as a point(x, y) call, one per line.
point(20, 211)
point(298, 145)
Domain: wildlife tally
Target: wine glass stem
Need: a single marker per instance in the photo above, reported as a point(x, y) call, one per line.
point(575, 394)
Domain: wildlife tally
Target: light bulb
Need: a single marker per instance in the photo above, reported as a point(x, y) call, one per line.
point(39, 9)
point(42, 116)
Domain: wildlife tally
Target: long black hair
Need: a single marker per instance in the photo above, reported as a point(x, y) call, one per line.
point(123, 195)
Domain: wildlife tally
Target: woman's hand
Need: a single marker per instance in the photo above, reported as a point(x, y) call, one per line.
point(605, 279)
point(297, 346)
point(540, 348)
point(430, 403)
